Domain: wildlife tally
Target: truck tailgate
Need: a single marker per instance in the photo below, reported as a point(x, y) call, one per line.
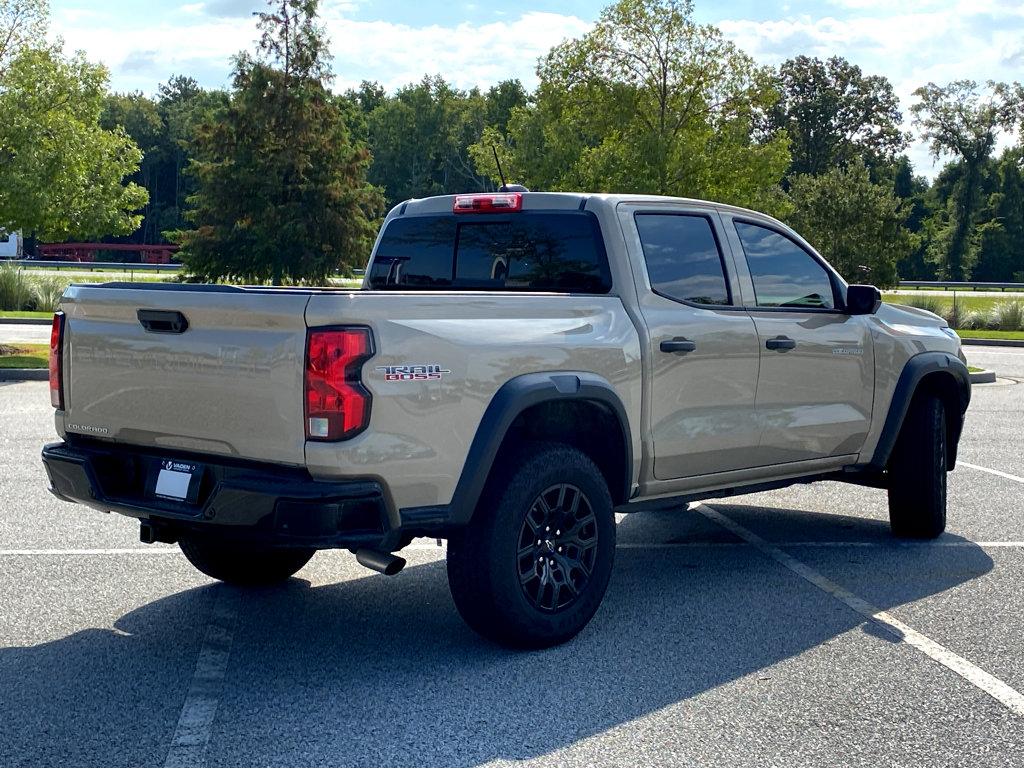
point(230, 384)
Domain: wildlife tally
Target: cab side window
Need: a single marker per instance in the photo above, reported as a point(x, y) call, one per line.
point(683, 259)
point(784, 274)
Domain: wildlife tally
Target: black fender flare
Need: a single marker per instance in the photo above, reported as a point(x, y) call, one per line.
point(511, 399)
point(916, 369)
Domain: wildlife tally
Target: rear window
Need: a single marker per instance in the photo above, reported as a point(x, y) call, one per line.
point(560, 252)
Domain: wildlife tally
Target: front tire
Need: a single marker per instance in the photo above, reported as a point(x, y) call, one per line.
point(243, 564)
point(917, 472)
point(532, 567)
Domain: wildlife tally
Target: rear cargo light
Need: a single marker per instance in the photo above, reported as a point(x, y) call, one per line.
point(337, 403)
point(57, 361)
point(497, 203)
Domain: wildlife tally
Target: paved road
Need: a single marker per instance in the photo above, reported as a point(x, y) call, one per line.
point(10, 332)
point(708, 650)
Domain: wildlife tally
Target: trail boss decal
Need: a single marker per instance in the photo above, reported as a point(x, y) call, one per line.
point(414, 373)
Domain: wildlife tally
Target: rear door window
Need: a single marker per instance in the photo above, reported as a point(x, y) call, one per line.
point(683, 259)
point(560, 252)
point(784, 274)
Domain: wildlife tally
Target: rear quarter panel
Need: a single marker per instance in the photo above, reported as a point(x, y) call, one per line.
point(420, 431)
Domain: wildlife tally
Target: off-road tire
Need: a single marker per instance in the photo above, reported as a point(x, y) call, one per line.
point(243, 564)
point(490, 577)
point(917, 472)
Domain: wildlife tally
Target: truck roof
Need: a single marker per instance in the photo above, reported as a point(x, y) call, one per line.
point(568, 201)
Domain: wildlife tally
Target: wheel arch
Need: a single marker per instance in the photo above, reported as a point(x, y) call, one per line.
point(938, 373)
point(544, 406)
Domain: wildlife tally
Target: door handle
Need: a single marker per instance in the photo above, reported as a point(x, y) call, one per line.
point(679, 344)
point(780, 343)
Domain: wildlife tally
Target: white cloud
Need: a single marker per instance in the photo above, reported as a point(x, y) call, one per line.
point(912, 44)
point(467, 54)
point(203, 36)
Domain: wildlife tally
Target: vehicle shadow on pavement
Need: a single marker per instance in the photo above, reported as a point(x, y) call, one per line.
point(378, 671)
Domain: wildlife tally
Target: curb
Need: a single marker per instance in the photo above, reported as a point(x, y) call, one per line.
point(994, 342)
point(24, 374)
point(25, 321)
point(982, 377)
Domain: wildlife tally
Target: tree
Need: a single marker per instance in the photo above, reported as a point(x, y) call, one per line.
point(961, 122)
point(913, 191)
point(163, 129)
point(833, 114)
point(139, 117)
point(648, 101)
point(419, 139)
point(281, 184)
point(857, 225)
point(61, 174)
point(1000, 236)
point(183, 107)
point(22, 25)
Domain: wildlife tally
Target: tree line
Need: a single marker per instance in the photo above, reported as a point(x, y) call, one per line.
point(280, 178)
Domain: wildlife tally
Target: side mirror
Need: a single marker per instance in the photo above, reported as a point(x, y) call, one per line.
point(863, 300)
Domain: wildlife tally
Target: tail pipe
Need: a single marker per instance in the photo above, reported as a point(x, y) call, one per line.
point(388, 564)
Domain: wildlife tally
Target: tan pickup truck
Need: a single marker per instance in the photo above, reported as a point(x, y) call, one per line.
point(516, 367)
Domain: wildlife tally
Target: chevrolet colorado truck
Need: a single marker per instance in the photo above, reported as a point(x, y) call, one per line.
point(516, 367)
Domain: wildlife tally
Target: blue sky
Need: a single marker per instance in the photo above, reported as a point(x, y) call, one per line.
point(479, 43)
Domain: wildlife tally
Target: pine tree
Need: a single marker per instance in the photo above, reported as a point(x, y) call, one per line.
point(281, 195)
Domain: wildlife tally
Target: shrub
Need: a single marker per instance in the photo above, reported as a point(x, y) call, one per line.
point(977, 319)
point(1007, 316)
point(929, 303)
point(15, 289)
point(955, 314)
point(47, 293)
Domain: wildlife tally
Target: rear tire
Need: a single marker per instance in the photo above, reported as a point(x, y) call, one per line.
point(532, 567)
point(243, 564)
point(917, 472)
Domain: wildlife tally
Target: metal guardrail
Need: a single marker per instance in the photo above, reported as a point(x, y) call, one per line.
point(119, 266)
point(92, 266)
point(962, 286)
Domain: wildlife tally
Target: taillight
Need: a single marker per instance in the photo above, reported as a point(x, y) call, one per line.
point(57, 361)
point(337, 403)
point(496, 203)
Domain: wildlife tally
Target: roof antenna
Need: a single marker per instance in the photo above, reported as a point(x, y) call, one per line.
point(505, 187)
point(501, 173)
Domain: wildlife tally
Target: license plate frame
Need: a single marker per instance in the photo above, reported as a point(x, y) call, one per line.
point(175, 480)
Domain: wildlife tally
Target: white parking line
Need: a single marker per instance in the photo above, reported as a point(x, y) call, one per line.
point(195, 723)
point(1000, 473)
point(96, 551)
point(885, 622)
point(890, 544)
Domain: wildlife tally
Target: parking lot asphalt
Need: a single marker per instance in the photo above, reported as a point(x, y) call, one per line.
point(709, 649)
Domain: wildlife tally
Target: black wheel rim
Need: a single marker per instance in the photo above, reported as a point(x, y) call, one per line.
point(557, 548)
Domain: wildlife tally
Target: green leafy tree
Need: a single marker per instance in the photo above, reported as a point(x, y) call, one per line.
point(834, 113)
point(962, 122)
point(281, 190)
point(23, 25)
point(1000, 237)
point(859, 226)
point(139, 117)
point(163, 128)
point(913, 191)
point(368, 96)
point(419, 139)
point(183, 107)
point(648, 101)
point(61, 173)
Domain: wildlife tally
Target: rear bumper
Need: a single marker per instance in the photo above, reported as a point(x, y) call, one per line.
point(272, 504)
